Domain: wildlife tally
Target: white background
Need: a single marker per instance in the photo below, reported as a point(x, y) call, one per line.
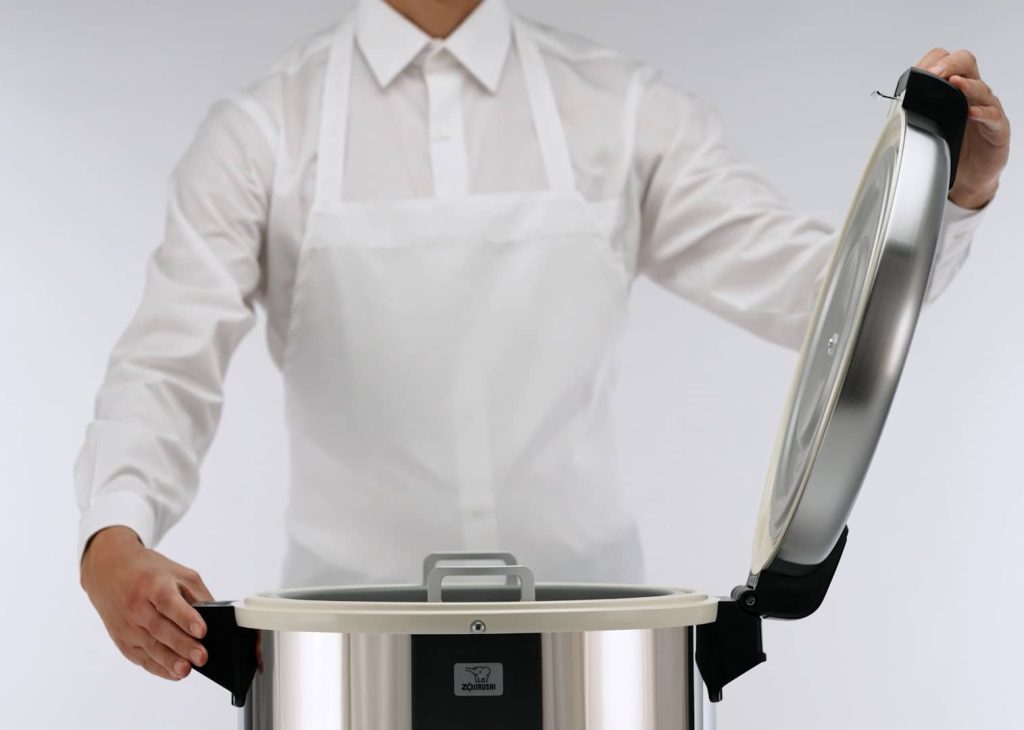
point(922, 628)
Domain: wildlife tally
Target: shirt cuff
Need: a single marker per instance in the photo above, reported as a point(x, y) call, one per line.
point(954, 245)
point(958, 227)
point(122, 508)
point(960, 222)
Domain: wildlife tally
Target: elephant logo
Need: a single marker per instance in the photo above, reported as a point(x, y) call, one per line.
point(480, 674)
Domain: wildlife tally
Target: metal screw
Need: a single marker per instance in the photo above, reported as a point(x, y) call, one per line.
point(749, 601)
point(832, 342)
point(478, 627)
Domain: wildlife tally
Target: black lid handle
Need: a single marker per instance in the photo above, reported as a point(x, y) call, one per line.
point(938, 100)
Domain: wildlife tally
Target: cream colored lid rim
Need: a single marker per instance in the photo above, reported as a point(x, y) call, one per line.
point(668, 607)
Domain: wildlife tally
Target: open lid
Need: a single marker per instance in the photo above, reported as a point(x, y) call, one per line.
point(850, 363)
point(857, 342)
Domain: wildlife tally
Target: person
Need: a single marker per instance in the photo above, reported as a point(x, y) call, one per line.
point(441, 207)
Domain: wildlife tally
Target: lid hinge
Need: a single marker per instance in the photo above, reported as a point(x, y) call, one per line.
point(731, 646)
point(790, 591)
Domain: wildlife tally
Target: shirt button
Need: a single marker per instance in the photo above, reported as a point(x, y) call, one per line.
point(444, 132)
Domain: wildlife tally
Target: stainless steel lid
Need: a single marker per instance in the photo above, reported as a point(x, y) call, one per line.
point(857, 342)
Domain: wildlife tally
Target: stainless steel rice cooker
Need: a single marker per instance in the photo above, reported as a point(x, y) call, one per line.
point(457, 654)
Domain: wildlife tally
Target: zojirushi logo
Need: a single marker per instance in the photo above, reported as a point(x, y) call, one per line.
point(481, 678)
point(477, 686)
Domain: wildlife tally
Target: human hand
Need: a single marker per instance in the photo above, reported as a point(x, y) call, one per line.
point(986, 143)
point(144, 600)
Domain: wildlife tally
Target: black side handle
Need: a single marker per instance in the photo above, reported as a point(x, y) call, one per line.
point(231, 650)
point(935, 98)
point(728, 648)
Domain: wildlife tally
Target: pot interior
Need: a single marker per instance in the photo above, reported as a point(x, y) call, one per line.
point(472, 593)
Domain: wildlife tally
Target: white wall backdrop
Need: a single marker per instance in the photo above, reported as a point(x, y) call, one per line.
point(922, 628)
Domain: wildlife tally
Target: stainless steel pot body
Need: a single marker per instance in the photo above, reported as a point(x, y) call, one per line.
point(598, 680)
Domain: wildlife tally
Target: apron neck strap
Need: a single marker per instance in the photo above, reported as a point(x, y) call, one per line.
point(330, 162)
point(546, 119)
point(330, 165)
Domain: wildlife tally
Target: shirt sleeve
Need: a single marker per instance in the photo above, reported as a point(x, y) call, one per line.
point(160, 401)
point(716, 232)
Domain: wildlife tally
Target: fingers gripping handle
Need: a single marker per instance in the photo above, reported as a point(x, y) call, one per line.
point(232, 650)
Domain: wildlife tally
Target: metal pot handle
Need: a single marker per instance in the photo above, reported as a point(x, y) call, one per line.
point(527, 590)
point(431, 561)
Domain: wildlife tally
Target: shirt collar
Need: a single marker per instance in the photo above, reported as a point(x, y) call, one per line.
point(390, 42)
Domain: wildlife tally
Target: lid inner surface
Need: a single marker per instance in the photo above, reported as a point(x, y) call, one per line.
point(830, 346)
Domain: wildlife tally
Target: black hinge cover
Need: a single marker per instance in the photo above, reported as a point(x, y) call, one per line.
point(938, 100)
point(788, 591)
point(731, 646)
point(728, 648)
point(231, 650)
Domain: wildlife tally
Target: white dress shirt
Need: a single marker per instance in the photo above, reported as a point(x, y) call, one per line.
point(434, 118)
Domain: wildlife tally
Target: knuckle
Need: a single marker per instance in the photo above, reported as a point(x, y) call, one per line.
point(190, 575)
point(136, 593)
point(152, 624)
point(155, 649)
point(139, 615)
point(154, 668)
point(163, 597)
point(140, 590)
point(146, 580)
point(938, 50)
point(968, 56)
point(125, 629)
point(176, 614)
point(185, 648)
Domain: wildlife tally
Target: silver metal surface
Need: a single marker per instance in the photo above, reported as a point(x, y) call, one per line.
point(434, 559)
point(437, 575)
point(706, 716)
point(605, 680)
point(856, 346)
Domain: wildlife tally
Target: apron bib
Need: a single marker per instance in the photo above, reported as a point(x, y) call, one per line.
point(447, 371)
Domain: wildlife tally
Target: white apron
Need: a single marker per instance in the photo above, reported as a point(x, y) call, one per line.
point(447, 371)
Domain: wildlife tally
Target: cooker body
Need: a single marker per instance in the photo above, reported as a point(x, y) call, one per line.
point(597, 680)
